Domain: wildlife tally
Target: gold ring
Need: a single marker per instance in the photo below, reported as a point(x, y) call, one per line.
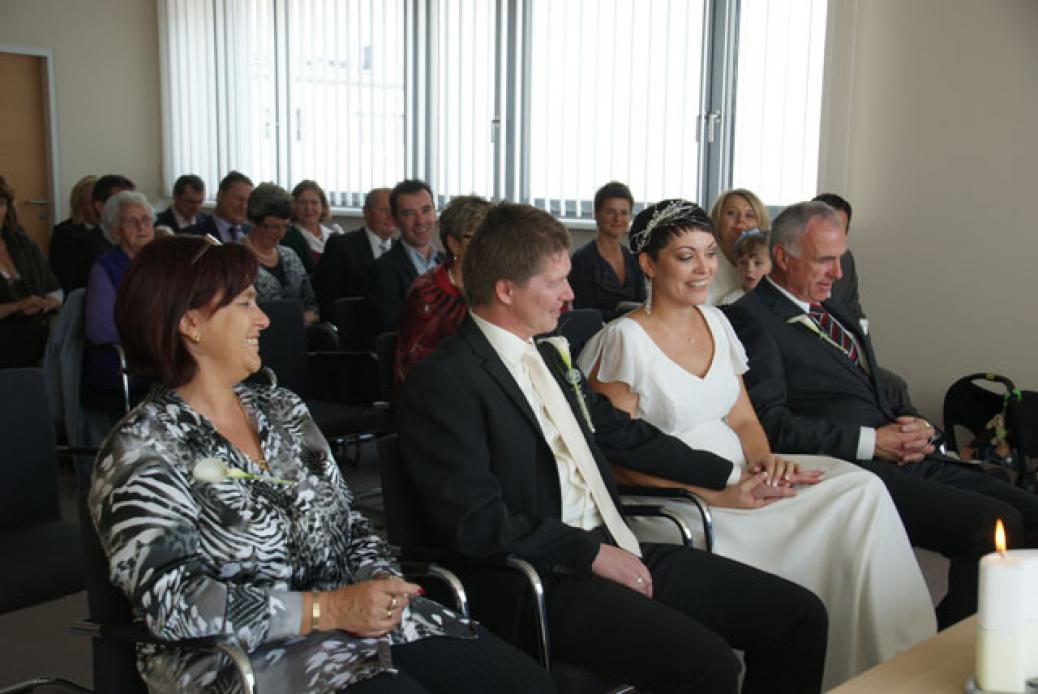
point(392, 604)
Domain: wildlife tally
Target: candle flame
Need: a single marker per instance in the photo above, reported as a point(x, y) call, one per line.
point(1000, 537)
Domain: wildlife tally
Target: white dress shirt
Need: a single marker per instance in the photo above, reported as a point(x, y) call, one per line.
point(578, 506)
point(378, 244)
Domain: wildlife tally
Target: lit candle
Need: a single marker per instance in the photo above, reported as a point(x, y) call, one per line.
point(1001, 640)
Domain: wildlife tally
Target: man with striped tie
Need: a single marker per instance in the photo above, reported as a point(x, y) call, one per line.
point(812, 380)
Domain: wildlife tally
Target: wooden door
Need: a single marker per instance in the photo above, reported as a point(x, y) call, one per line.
point(23, 144)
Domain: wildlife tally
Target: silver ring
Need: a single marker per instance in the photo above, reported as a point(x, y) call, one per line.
point(392, 604)
point(639, 579)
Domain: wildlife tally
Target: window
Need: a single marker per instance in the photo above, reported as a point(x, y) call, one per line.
point(540, 101)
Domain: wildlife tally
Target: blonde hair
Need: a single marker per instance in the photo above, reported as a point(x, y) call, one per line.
point(763, 219)
point(76, 200)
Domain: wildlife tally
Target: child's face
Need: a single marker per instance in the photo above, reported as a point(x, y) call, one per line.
point(752, 268)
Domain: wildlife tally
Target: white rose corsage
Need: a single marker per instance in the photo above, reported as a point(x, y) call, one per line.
point(214, 471)
point(805, 320)
point(572, 375)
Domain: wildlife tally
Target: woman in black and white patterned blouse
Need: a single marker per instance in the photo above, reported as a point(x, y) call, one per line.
point(222, 511)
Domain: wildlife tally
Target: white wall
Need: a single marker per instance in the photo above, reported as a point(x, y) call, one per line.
point(106, 70)
point(930, 129)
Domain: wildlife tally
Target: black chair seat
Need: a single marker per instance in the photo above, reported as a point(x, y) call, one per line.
point(337, 419)
point(49, 561)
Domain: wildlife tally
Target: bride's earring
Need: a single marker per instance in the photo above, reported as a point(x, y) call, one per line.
point(648, 299)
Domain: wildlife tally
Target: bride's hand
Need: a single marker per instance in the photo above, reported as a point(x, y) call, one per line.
point(777, 471)
point(807, 477)
point(749, 492)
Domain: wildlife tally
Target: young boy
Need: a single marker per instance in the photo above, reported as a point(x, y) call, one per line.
point(753, 261)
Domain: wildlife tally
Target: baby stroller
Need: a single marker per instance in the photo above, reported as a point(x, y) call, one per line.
point(1003, 421)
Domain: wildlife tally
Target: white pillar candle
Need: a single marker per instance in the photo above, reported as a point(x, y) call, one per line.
point(1002, 616)
point(1000, 625)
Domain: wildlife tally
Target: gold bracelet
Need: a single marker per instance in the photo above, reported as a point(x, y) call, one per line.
point(315, 610)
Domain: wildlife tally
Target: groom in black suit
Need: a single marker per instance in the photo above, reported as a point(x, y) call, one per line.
point(507, 460)
point(812, 380)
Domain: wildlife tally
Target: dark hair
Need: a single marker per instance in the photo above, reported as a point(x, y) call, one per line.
point(613, 189)
point(269, 200)
point(461, 216)
point(191, 181)
point(369, 198)
point(306, 185)
point(233, 177)
point(408, 187)
point(109, 184)
point(657, 224)
point(836, 202)
point(169, 277)
point(10, 220)
point(510, 244)
point(749, 245)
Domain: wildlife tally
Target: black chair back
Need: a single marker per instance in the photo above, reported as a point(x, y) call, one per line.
point(405, 527)
point(29, 464)
point(385, 351)
point(578, 326)
point(349, 315)
point(283, 345)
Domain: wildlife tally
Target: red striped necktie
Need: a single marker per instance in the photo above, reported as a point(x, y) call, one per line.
point(835, 331)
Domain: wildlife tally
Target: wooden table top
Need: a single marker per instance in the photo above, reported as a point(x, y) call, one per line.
point(940, 665)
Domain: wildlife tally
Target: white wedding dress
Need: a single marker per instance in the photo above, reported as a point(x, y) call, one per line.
point(841, 538)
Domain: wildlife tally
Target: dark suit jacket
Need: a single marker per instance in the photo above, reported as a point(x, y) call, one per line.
point(386, 285)
point(343, 267)
point(845, 289)
point(208, 226)
point(167, 218)
point(73, 249)
point(487, 477)
point(809, 396)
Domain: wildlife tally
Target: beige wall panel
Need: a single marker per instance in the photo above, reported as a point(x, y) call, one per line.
point(106, 70)
point(931, 131)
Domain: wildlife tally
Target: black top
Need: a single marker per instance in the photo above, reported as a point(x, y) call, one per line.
point(595, 285)
point(73, 249)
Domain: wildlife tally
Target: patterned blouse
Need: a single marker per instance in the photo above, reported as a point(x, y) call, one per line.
point(293, 282)
point(198, 559)
point(433, 310)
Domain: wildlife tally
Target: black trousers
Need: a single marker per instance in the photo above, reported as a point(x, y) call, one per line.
point(442, 665)
point(681, 640)
point(950, 508)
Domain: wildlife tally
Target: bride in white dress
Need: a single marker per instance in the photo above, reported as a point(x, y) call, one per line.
point(823, 523)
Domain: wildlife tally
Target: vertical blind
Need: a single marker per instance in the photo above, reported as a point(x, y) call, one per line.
point(540, 101)
point(779, 98)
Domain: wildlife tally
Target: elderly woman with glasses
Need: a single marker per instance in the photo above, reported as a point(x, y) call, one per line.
point(126, 220)
point(282, 274)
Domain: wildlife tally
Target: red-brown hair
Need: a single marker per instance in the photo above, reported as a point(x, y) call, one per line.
point(166, 279)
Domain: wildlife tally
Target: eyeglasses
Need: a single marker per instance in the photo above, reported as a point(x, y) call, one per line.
point(210, 241)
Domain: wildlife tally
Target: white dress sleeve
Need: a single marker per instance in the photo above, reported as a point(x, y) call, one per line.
point(737, 353)
point(612, 349)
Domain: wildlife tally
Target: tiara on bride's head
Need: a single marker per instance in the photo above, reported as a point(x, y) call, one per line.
point(665, 215)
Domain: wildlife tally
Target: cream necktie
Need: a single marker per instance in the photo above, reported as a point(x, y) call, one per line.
point(558, 410)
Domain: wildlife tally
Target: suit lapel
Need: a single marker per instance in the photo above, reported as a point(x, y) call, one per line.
point(787, 310)
point(496, 369)
point(865, 344)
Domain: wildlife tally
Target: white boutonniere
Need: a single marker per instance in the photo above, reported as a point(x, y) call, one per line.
point(805, 320)
point(572, 375)
point(214, 471)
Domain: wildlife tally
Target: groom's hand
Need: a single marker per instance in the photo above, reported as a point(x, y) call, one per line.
point(620, 566)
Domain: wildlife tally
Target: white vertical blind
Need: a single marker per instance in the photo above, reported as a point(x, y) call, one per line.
point(462, 96)
point(779, 98)
point(363, 93)
point(614, 95)
point(346, 95)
